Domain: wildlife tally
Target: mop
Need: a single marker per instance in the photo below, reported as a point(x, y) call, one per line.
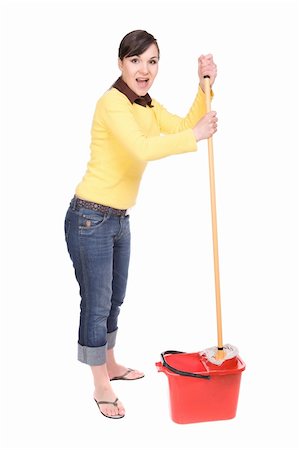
point(216, 355)
point(204, 386)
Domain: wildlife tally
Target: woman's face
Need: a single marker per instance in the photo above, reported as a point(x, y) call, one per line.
point(139, 72)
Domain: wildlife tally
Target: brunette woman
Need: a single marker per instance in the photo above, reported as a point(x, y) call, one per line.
point(129, 129)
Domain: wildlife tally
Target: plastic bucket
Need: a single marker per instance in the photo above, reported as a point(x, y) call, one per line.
point(207, 393)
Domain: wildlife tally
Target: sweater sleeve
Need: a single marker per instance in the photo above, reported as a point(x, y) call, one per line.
point(117, 116)
point(171, 123)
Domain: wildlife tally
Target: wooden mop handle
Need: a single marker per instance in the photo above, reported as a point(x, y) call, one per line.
point(220, 352)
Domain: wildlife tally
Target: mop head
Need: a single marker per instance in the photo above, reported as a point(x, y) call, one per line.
point(229, 352)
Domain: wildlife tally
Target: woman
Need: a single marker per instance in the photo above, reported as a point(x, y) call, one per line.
point(129, 129)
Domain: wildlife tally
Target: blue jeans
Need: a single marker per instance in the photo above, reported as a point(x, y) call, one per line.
point(99, 246)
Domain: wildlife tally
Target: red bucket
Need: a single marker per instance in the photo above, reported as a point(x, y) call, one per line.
point(199, 390)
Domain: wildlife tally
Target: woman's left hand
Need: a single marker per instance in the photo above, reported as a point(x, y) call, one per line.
point(206, 66)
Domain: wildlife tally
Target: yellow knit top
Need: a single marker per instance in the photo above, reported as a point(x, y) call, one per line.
point(124, 137)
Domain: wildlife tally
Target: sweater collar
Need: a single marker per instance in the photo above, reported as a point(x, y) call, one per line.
point(121, 86)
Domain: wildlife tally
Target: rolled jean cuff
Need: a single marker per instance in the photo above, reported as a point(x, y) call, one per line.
point(111, 338)
point(94, 356)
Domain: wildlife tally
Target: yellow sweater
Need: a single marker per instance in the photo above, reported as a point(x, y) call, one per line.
point(124, 137)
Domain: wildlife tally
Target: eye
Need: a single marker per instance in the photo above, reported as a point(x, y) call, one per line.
point(153, 61)
point(134, 60)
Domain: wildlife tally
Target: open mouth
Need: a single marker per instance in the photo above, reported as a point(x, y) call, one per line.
point(142, 82)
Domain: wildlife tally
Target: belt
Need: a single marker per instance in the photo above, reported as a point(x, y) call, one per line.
point(80, 203)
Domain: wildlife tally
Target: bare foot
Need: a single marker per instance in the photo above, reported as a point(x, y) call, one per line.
point(113, 408)
point(116, 371)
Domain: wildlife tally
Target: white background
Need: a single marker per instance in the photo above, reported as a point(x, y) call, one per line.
point(59, 57)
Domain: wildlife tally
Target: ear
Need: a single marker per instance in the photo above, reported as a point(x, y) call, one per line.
point(120, 64)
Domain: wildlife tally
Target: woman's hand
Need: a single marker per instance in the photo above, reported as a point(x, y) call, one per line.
point(206, 127)
point(206, 66)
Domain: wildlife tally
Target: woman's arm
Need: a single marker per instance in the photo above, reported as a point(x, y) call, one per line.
point(171, 123)
point(116, 115)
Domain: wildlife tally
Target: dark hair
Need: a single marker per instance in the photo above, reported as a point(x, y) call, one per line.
point(135, 43)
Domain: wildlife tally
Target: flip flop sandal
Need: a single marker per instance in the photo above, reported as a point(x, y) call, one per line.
point(117, 416)
point(124, 376)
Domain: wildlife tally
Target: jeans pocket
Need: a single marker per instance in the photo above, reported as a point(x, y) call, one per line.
point(89, 221)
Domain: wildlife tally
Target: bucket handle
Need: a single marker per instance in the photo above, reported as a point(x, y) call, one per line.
point(177, 371)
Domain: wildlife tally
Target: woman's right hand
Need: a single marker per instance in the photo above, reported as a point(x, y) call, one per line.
point(206, 127)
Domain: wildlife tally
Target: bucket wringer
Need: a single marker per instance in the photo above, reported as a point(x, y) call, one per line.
point(204, 386)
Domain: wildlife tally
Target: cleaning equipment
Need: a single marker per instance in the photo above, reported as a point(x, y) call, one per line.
point(204, 386)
